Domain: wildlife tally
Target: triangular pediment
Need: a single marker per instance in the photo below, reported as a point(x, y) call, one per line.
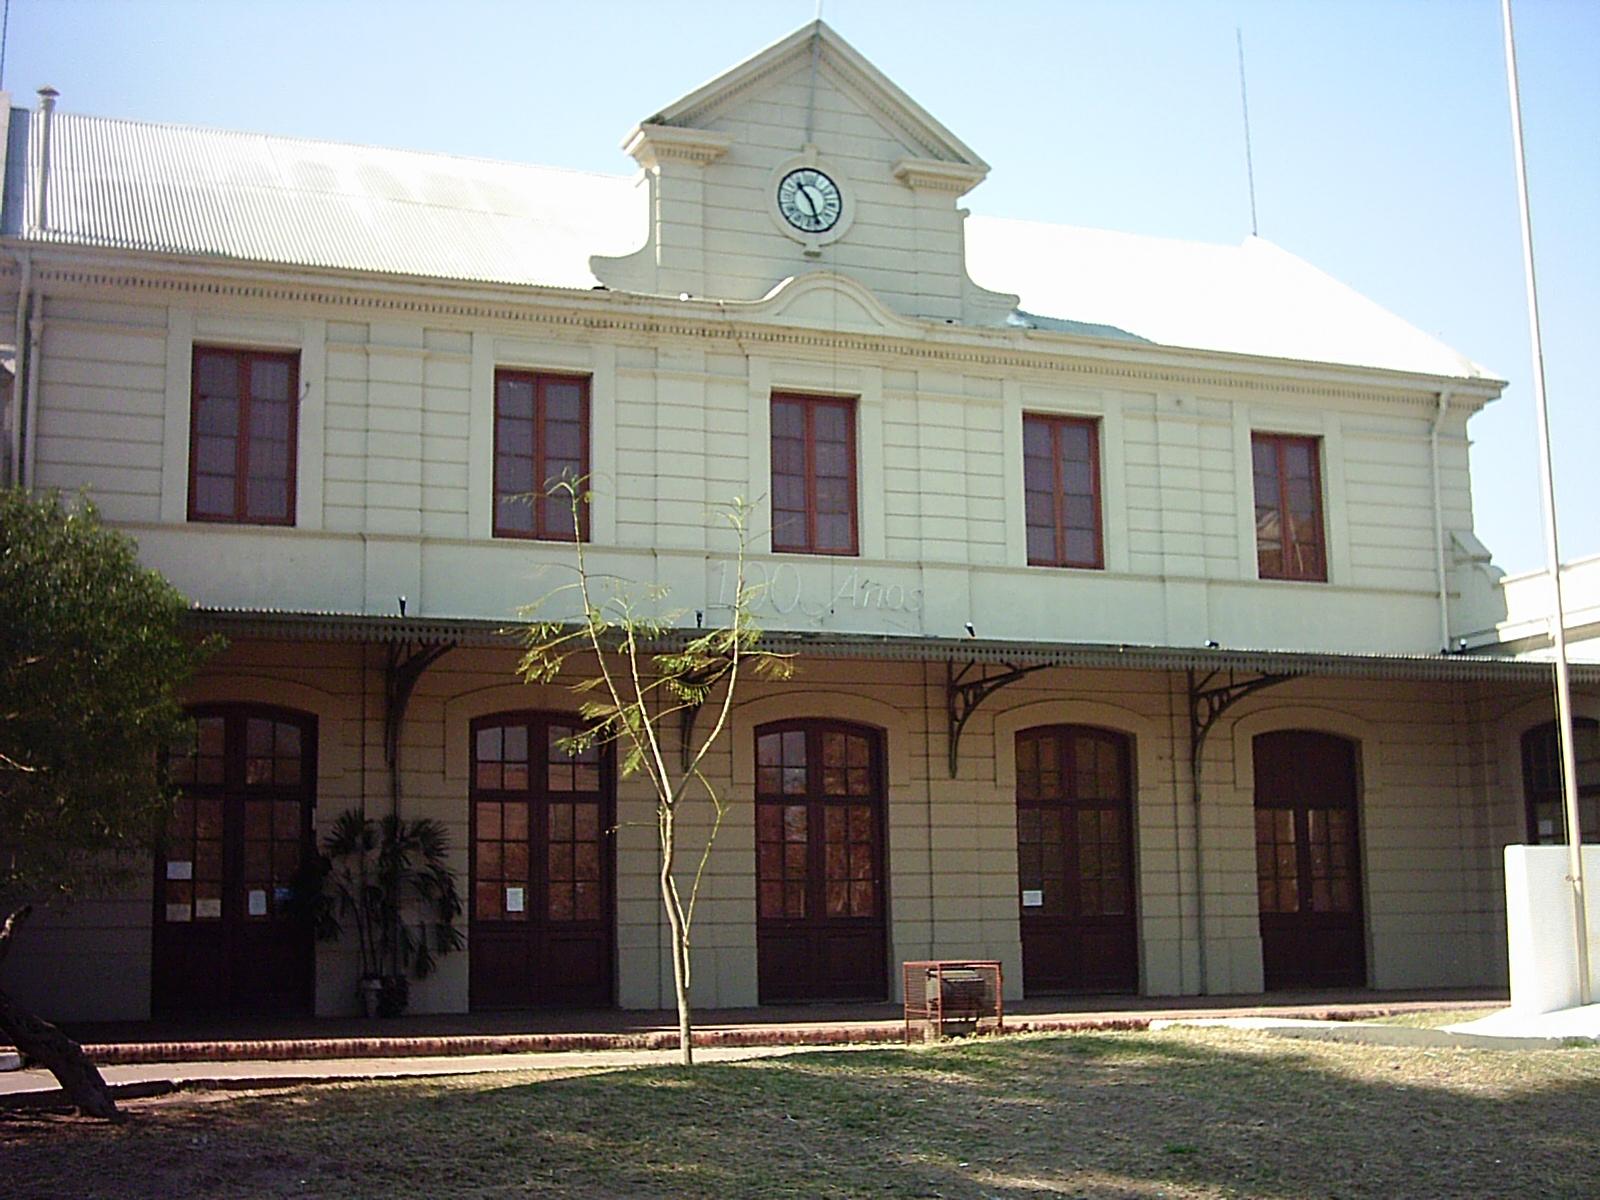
point(903, 115)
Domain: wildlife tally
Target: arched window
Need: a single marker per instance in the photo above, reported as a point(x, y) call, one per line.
point(1075, 860)
point(1541, 782)
point(226, 934)
point(1308, 861)
point(541, 865)
point(820, 924)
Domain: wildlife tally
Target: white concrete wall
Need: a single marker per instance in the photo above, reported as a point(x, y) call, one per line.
point(395, 464)
point(1428, 823)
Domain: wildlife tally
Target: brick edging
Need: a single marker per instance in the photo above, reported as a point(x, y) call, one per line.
point(293, 1049)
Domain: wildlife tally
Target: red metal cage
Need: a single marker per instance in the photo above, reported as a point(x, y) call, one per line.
point(947, 997)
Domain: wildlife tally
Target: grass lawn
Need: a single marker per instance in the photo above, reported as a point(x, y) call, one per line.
point(1183, 1113)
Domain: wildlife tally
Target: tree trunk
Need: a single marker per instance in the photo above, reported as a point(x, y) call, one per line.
point(680, 938)
point(52, 1049)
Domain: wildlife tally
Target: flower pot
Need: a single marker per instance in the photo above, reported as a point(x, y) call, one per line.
point(393, 995)
point(368, 995)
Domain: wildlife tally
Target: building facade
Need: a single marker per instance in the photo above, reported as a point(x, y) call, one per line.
point(1142, 640)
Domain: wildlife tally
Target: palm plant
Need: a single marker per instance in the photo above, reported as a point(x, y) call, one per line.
point(390, 879)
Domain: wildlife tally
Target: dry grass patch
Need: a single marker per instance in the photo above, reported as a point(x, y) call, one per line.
point(1182, 1113)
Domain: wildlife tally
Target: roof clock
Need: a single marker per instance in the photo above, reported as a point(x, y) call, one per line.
point(809, 200)
point(807, 203)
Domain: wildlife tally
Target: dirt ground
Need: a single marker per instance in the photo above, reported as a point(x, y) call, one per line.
point(1181, 1113)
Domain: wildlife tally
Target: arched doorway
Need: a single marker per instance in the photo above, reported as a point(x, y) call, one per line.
point(540, 932)
point(1541, 782)
point(1075, 861)
point(821, 932)
point(226, 937)
point(1308, 861)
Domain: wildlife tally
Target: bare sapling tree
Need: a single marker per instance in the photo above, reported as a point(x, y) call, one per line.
point(647, 679)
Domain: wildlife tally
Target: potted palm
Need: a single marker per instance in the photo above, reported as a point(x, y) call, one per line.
point(389, 879)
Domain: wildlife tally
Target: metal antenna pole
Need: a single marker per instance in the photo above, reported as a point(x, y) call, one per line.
point(1558, 618)
point(1244, 103)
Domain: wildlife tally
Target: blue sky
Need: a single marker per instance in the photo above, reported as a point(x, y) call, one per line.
point(1381, 136)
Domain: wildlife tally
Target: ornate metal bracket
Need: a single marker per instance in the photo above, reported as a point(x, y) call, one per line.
point(401, 670)
point(1208, 700)
point(963, 695)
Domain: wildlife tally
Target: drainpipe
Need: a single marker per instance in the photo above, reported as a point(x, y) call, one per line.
point(32, 304)
point(18, 381)
point(31, 433)
point(1438, 521)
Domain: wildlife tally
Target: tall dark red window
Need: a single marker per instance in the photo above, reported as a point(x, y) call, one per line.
point(1289, 539)
point(242, 433)
point(1541, 782)
point(814, 475)
point(541, 436)
point(1061, 491)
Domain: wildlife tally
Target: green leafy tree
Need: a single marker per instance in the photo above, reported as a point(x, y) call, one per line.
point(92, 654)
point(645, 681)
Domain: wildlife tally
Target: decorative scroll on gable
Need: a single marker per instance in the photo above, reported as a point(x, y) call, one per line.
point(806, 158)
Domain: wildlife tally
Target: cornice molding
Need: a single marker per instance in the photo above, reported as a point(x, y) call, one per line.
point(739, 324)
point(651, 145)
point(939, 176)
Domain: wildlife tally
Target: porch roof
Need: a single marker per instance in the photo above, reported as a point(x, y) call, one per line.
point(464, 631)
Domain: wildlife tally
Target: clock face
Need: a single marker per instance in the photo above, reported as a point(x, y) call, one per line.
point(809, 200)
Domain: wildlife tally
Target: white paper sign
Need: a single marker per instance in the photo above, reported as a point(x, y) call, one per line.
point(179, 870)
point(1032, 897)
point(257, 902)
point(204, 909)
point(514, 899)
point(177, 912)
point(1547, 828)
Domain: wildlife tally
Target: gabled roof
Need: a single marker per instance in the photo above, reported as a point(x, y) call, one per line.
point(905, 114)
point(245, 196)
point(253, 198)
point(1254, 298)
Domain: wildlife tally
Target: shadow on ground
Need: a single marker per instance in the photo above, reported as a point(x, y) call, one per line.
point(1183, 1113)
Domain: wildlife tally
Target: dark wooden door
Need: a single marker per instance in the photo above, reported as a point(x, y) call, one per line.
point(1308, 870)
point(226, 936)
point(1075, 861)
point(542, 910)
point(820, 927)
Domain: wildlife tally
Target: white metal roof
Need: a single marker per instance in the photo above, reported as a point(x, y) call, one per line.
point(185, 190)
point(296, 202)
point(1254, 298)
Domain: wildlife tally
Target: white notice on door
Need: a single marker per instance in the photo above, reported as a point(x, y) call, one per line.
point(177, 869)
point(257, 902)
point(207, 909)
point(1032, 897)
point(513, 899)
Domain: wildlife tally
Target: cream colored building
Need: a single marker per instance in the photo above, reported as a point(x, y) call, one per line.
point(1119, 570)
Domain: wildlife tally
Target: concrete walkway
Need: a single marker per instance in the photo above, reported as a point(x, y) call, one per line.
point(152, 1058)
point(37, 1087)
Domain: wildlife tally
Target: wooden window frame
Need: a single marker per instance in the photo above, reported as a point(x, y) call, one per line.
point(1055, 424)
point(1539, 739)
point(807, 544)
point(1280, 442)
point(553, 530)
point(241, 464)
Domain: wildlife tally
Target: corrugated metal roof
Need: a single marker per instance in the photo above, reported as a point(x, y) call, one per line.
point(186, 190)
point(251, 197)
point(362, 627)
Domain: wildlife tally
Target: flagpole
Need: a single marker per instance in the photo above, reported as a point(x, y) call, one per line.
point(1558, 618)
